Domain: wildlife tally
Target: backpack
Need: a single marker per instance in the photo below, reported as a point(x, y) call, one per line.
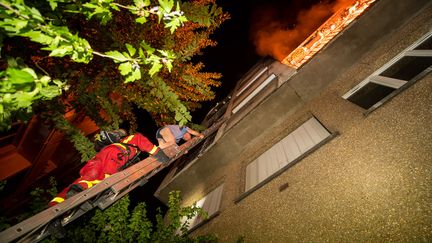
point(105, 138)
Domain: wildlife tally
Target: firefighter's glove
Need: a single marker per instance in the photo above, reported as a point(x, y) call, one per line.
point(161, 156)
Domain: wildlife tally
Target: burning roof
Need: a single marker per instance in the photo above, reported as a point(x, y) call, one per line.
point(325, 33)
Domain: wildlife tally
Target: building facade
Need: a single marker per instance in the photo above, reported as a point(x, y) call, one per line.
point(339, 149)
point(30, 153)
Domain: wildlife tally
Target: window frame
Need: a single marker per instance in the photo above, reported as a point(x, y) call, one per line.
point(255, 78)
point(398, 84)
point(269, 79)
point(332, 134)
point(197, 221)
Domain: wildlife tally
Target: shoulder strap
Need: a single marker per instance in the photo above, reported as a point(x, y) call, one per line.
point(130, 160)
point(130, 145)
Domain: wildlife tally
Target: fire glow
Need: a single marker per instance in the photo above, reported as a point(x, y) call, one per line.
point(325, 33)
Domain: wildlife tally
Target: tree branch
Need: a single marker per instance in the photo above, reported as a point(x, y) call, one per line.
point(122, 6)
point(13, 10)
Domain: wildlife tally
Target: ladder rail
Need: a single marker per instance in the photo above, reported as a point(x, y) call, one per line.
point(106, 192)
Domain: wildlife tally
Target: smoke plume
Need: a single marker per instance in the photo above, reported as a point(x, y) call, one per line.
point(274, 36)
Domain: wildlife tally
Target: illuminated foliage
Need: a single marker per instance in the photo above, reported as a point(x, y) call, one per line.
point(119, 224)
point(102, 58)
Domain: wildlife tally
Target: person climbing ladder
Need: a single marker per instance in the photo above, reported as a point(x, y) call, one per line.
point(109, 160)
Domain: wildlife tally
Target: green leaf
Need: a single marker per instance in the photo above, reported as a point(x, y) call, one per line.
point(155, 68)
point(89, 5)
point(59, 83)
point(141, 20)
point(115, 7)
point(139, 3)
point(36, 14)
point(19, 24)
point(136, 74)
point(125, 68)
point(55, 42)
point(141, 53)
point(182, 19)
point(45, 80)
point(116, 56)
point(130, 49)
point(178, 117)
point(53, 4)
point(169, 66)
point(142, 3)
point(174, 23)
point(17, 76)
point(25, 99)
point(50, 92)
point(30, 71)
point(61, 51)
point(38, 37)
point(167, 5)
point(125, 54)
point(7, 98)
point(147, 47)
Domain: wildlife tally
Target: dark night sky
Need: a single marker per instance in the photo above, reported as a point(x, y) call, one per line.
point(235, 53)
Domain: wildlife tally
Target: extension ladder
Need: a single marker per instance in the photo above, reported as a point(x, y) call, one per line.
point(102, 195)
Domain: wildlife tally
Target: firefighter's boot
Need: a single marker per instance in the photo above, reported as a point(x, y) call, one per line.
point(160, 156)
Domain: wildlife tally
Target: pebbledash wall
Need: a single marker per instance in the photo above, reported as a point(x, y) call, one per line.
point(368, 176)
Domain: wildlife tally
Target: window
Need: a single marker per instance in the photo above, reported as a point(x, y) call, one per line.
point(210, 203)
point(409, 66)
point(286, 152)
point(255, 92)
point(251, 81)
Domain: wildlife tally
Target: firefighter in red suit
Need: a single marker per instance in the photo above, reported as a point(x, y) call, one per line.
point(109, 160)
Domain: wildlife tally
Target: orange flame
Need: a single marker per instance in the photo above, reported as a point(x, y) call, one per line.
point(325, 33)
point(291, 46)
point(272, 35)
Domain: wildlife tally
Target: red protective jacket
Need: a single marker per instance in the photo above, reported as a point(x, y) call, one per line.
point(107, 162)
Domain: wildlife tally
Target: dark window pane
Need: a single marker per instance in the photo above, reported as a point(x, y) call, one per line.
point(426, 45)
point(408, 67)
point(370, 94)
